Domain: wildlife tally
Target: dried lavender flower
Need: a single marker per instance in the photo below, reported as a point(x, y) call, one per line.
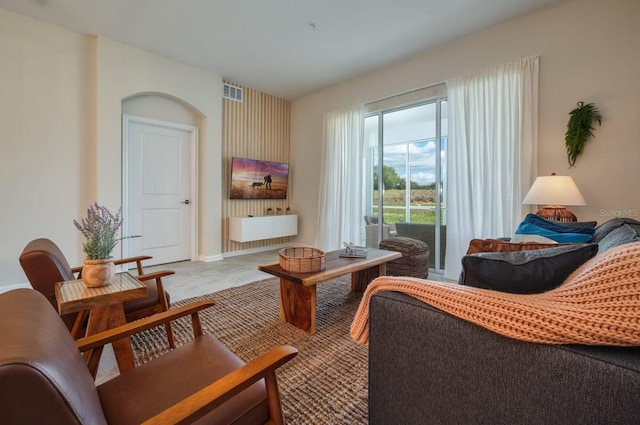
point(99, 228)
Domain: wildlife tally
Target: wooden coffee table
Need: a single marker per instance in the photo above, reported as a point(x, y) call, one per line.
point(298, 290)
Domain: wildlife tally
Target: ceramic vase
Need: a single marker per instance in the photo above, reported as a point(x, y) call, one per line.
point(96, 273)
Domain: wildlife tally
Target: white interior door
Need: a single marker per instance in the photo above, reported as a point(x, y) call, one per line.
point(158, 195)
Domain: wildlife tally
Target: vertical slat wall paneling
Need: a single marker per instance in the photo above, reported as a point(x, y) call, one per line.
point(257, 128)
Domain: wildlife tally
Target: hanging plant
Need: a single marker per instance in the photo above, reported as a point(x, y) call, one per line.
point(580, 129)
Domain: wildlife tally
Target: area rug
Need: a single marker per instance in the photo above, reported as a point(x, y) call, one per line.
point(326, 383)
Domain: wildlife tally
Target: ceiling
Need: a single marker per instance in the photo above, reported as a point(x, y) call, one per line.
point(286, 48)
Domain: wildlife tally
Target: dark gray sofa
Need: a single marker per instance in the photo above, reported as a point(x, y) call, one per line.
point(428, 367)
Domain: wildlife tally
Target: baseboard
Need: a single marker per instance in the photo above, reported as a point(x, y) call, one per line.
point(210, 258)
point(259, 249)
point(220, 257)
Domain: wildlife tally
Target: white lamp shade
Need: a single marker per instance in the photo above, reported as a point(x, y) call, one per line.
point(554, 190)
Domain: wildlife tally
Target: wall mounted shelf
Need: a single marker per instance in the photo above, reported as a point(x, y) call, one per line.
point(247, 229)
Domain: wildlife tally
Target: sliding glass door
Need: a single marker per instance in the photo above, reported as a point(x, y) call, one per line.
point(405, 182)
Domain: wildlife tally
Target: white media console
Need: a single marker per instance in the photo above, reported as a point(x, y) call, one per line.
point(247, 229)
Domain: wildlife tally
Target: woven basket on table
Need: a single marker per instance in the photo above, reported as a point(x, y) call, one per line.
point(301, 259)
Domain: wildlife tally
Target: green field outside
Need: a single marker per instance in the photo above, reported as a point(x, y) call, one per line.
point(396, 198)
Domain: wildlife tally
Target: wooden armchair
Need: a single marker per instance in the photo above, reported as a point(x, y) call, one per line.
point(44, 380)
point(45, 265)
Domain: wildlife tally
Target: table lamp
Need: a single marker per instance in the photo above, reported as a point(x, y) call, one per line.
point(555, 191)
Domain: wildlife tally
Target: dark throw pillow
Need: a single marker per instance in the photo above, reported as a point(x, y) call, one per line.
point(534, 225)
point(524, 272)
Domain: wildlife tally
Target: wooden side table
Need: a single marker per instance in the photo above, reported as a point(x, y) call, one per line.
point(106, 308)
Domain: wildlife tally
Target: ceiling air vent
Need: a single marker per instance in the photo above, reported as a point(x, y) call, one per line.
point(231, 92)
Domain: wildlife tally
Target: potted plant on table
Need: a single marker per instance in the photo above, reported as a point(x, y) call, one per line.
point(100, 229)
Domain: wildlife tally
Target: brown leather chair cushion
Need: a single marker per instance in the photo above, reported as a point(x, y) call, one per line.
point(148, 389)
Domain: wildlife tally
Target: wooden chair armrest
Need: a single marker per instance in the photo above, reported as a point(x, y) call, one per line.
point(102, 338)
point(132, 259)
point(138, 260)
point(229, 385)
point(155, 275)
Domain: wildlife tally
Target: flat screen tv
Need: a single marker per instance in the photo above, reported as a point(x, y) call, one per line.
point(256, 179)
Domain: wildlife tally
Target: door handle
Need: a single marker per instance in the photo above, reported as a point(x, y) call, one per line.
point(186, 201)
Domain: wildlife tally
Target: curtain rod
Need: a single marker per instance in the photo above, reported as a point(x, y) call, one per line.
point(405, 93)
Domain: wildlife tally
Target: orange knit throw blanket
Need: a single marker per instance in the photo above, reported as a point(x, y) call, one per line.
point(598, 304)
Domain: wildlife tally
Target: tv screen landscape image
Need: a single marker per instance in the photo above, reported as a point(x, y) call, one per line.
point(256, 179)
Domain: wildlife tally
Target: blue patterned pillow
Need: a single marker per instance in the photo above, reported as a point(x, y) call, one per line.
point(534, 225)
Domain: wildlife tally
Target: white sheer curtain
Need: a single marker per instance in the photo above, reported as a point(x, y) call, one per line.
point(340, 201)
point(492, 154)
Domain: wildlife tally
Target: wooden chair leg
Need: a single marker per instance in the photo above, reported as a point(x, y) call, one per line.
point(77, 325)
point(273, 399)
point(92, 358)
point(167, 327)
point(164, 305)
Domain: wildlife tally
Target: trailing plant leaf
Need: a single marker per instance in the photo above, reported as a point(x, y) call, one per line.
point(580, 129)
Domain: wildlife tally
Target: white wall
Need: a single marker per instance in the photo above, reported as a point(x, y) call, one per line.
point(123, 71)
point(60, 133)
point(588, 52)
point(46, 134)
point(162, 108)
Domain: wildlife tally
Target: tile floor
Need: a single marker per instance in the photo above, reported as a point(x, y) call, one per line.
point(195, 278)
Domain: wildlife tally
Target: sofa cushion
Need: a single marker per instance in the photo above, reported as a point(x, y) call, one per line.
point(524, 272)
point(534, 225)
point(618, 236)
point(608, 226)
point(497, 245)
point(520, 238)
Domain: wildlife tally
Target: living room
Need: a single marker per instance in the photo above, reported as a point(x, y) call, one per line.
point(63, 98)
point(583, 48)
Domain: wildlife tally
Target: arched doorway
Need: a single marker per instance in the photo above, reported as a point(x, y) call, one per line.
point(159, 175)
